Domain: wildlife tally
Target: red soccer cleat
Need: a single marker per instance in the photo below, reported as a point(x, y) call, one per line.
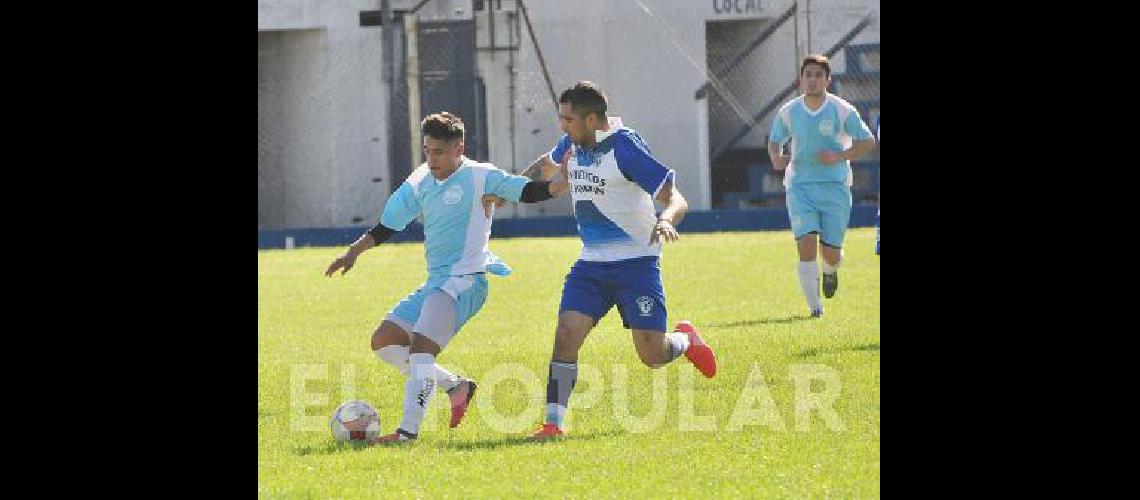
point(461, 397)
point(699, 353)
point(547, 431)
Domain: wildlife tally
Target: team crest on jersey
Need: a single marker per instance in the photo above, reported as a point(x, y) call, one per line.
point(453, 195)
point(827, 127)
point(645, 304)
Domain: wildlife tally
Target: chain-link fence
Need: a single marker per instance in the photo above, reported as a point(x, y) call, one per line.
point(321, 130)
point(700, 81)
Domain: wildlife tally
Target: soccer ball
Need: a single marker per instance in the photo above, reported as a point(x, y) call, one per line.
point(355, 421)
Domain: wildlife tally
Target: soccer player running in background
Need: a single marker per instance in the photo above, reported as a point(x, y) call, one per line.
point(821, 127)
point(447, 189)
point(613, 180)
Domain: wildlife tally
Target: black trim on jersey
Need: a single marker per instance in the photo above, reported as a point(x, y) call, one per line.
point(380, 233)
point(535, 191)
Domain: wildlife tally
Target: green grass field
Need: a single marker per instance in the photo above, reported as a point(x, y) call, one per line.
point(738, 434)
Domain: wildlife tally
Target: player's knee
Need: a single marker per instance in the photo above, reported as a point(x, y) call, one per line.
point(386, 335)
point(423, 345)
point(377, 341)
point(565, 348)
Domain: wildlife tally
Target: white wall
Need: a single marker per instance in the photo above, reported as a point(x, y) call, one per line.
point(325, 114)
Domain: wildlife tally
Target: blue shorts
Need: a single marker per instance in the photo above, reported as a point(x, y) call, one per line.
point(634, 285)
point(820, 207)
point(469, 292)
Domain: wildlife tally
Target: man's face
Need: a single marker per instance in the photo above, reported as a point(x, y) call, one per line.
point(814, 80)
point(579, 127)
point(442, 155)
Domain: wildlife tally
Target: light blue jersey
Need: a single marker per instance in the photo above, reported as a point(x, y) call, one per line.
point(830, 127)
point(456, 229)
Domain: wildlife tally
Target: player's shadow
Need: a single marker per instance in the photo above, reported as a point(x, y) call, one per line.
point(522, 441)
point(334, 447)
point(754, 322)
point(831, 350)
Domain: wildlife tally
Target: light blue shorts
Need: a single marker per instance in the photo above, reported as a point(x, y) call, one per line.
point(468, 291)
point(820, 207)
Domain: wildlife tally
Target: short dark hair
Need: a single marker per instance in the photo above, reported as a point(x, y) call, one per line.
point(584, 98)
point(819, 59)
point(443, 125)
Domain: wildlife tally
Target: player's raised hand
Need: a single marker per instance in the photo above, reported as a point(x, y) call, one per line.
point(551, 169)
point(490, 201)
point(827, 157)
point(344, 262)
point(663, 229)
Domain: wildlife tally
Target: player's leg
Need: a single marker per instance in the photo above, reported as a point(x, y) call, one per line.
point(805, 227)
point(835, 202)
point(390, 343)
point(583, 304)
point(573, 327)
point(391, 339)
point(641, 302)
point(470, 294)
point(445, 310)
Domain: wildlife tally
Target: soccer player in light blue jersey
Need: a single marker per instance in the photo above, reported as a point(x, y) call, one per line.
point(613, 181)
point(447, 189)
point(821, 127)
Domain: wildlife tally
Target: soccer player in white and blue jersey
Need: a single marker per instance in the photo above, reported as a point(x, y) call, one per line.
point(613, 180)
point(448, 190)
point(821, 127)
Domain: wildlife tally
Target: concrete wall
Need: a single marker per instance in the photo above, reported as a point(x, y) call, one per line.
point(321, 109)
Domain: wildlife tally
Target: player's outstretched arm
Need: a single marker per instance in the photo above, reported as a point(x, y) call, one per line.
point(536, 191)
point(378, 234)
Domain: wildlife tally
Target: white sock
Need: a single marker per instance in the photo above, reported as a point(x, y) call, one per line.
point(418, 390)
point(678, 344)
point(397, 356)
point(445, 379)
point(809, 282)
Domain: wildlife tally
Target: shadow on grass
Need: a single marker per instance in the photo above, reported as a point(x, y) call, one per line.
point(491, 444)
point(833, 350)
point(754, 322)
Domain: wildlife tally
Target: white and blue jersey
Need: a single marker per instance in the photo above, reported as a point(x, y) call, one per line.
point(830, 127)
point(613, 186)
point(456, 229)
